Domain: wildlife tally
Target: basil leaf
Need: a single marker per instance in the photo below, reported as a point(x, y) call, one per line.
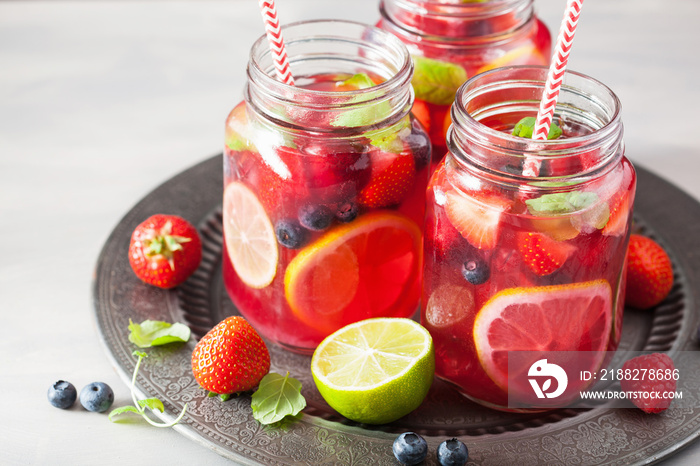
point(436, 81)
point(276, 397)
point(155, 333)
point(525, 127)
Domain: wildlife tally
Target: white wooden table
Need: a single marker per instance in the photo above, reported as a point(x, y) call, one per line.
point(102, 101)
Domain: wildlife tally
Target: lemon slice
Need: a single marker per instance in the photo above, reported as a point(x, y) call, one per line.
point(376, 370)
point(250, 236)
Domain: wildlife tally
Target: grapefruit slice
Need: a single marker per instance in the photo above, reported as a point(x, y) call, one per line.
point(250, 236)
point(367, 268)
point(572, 317)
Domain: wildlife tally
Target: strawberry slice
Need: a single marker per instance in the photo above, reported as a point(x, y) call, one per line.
point(329, 165)
point(477, 216)
point(619, 213)
point(541, 253)
point(391, 178)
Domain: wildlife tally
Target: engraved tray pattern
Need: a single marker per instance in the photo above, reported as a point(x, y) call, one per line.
point(321, 436)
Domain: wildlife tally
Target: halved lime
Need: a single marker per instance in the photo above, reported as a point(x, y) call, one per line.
point(376, 370)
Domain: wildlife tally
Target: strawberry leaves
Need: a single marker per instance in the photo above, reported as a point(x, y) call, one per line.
point(277, 397)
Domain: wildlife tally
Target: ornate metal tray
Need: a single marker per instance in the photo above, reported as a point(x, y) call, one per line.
point(321, 436)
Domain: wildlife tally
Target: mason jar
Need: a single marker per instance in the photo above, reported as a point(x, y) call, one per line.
point(526, 262)
point(453, 40)
point(324, 185)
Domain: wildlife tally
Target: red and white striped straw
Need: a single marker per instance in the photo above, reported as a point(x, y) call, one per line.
point(557, 68)
point(274, 37)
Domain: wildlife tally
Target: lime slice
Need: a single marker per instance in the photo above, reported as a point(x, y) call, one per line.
point(250, 237)
point(376, 370)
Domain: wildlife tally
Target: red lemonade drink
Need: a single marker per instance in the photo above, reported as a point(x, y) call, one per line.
point(324, 186)
point(518, 263)
point(453, 40)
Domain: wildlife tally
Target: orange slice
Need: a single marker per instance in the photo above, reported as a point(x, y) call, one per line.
point(367, 268)
point(250, 236)
point(523, 55)
point(573, 317)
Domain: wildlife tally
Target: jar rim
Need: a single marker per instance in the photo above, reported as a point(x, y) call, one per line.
point(583, 101)
point(470, 87)
point(260, 50)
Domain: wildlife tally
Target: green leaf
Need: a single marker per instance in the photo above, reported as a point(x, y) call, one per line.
point(153, 404)
point(358, 81)
point(155, 333)
point(525, 127)
point(389, 139)
point(122, 410)
point(436, 81)
point(561, 203)
point(276, 397)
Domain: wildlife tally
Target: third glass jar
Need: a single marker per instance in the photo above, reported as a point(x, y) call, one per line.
point(453, 40)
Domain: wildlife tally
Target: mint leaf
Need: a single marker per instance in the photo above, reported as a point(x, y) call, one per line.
point(152, 403)
point(436, 81)
point(561, 203)
point(141, 405)
point(155, 333)
point(525, 127)
point(357, 81)
point(122, 410)
point(389, 139)
point(276, 397)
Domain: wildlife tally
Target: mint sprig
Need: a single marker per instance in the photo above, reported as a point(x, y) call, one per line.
point(277, 396)
point(139, 407)
point(155, 333)
point(436, 81)
point(525, 127)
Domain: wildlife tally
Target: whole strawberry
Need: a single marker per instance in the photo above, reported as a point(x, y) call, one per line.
point(230, 358)
point(655, 376)
point(649, 273)
point(165, 250)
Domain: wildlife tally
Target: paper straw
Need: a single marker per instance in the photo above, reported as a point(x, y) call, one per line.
point(274, 37)
point(555, 76)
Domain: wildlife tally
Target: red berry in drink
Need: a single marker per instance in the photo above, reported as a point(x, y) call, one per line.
point(392, 177)
point(542, 254)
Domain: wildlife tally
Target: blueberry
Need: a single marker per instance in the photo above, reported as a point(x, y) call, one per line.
point(290, 234)
point(410, 448)
point(422, 149)
point(62, 394)
point(475, 270)
point(96, 397)
point(452, 453)
point(346, 212)
point(315, 217)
